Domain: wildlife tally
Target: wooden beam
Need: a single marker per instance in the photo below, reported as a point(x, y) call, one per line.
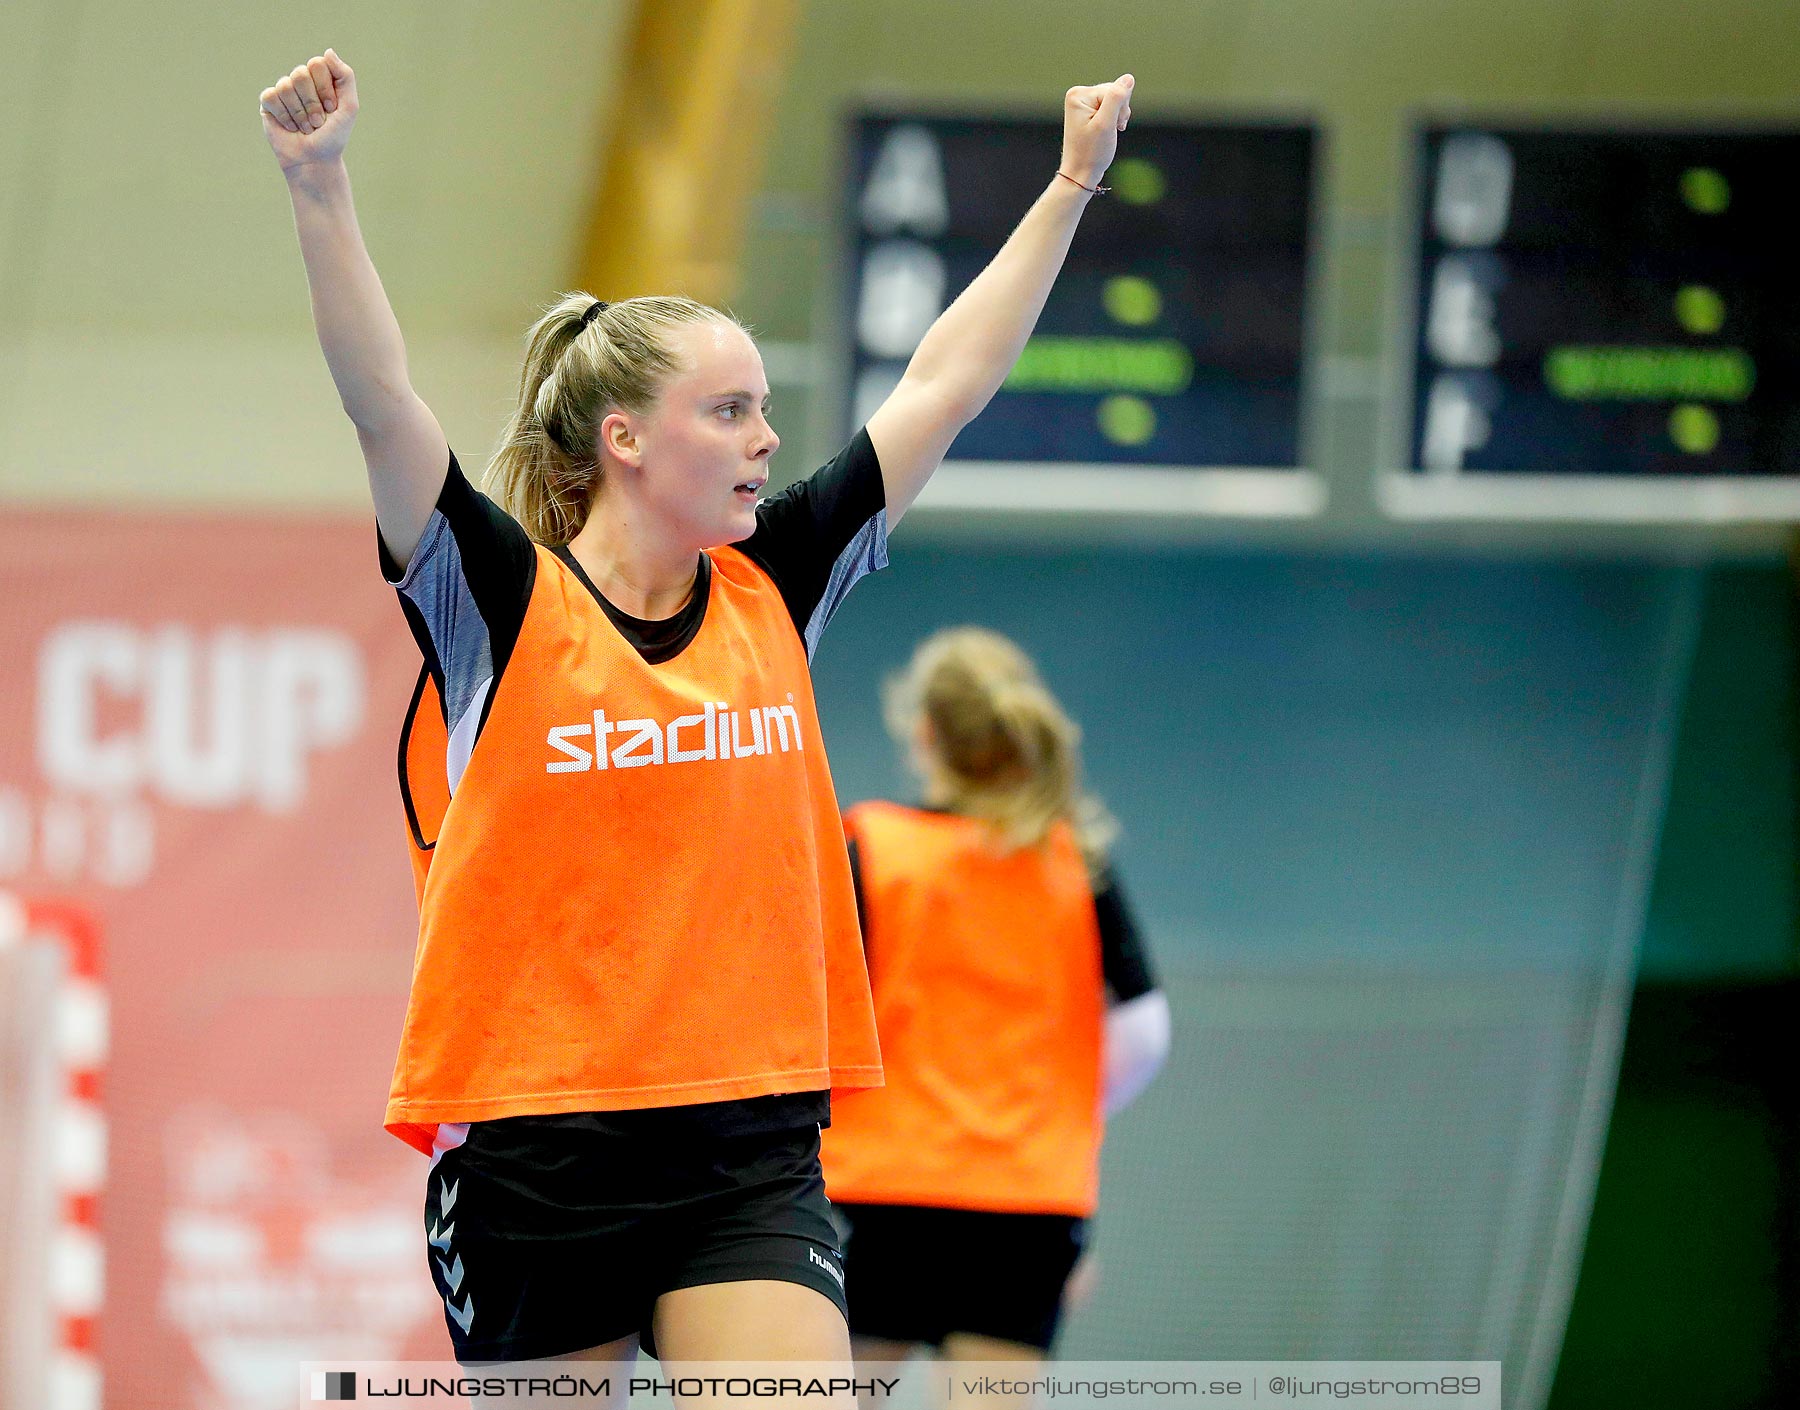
point(693, 118)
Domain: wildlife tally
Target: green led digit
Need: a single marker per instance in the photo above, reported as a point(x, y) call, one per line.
point(1127, 421)
point(1705, 190)
point(1136, 180)
point(1700, 310)
point(1131, 300)
point(1694, 428)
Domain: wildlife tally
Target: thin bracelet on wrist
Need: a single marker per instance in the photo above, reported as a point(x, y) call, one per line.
point(1091, 190)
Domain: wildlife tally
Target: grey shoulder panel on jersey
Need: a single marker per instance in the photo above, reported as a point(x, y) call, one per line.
point(866, 553)
point(435, 583)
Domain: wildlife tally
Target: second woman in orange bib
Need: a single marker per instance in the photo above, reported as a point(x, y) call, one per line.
point(638, 974)
point(1016, 1006)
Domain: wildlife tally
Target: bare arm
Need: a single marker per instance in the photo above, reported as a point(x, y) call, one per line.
point(307, 117)
point(968, 352)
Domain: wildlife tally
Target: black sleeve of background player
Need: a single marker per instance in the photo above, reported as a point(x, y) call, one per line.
point(802, 530)
point(498, 563)
point(1124, 960)
point(862, 913)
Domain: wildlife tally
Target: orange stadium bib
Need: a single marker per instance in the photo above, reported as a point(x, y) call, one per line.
point(990, 999)
point(638, 895)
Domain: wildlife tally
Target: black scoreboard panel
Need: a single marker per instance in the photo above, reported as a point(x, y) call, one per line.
point(1173, 337)
point(1621, 304)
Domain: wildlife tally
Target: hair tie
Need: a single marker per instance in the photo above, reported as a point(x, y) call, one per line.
point(595, 309)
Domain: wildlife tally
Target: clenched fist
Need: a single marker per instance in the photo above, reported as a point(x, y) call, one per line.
point(1093, 118)
point(307, 114)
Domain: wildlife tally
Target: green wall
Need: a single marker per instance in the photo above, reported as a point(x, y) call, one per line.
point(1722, 905)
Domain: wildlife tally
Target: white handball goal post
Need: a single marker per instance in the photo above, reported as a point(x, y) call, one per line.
point(53, 1039)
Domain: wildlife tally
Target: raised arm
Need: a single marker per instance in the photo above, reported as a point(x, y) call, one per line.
point(968, 351)
point(307, 117)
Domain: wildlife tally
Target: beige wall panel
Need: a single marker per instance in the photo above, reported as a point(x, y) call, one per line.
point(499, 162)
point(37, 55)
point(167, 198)
point(1720, 55)
point(155, 336)
point(229, 419)
point(472, 156)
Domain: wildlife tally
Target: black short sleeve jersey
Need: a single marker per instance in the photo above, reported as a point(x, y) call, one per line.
point(1124, 957)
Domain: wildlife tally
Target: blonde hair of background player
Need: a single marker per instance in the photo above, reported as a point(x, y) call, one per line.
point(991, 742)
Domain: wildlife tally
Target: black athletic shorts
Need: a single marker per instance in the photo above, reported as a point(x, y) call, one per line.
point(917, 1275)
point(552, 1235)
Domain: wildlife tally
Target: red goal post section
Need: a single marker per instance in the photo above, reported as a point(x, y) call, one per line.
point(60, 1169)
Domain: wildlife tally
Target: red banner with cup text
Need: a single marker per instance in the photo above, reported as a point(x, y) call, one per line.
point(198, 725)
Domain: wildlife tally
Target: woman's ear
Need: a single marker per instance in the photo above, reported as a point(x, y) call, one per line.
point(618, 440)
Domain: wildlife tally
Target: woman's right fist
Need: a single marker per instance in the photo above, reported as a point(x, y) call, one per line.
point(307, 114)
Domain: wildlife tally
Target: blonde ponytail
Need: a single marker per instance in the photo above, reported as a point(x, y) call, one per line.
point(992, 742)
point(582, 360)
